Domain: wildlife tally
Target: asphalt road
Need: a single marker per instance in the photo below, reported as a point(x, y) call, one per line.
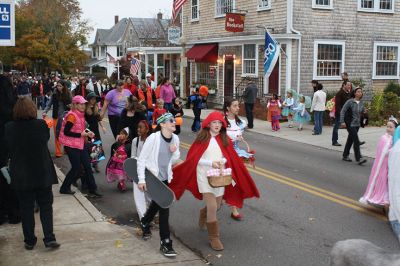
point(308, 202)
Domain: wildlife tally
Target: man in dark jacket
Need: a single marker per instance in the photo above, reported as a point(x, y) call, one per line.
point(340, 99)
point(8, 200)
point(249, 97)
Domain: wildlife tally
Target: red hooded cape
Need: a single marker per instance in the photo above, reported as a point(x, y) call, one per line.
point(185, 176)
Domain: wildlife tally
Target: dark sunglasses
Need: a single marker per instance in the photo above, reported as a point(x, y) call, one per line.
point(171, 120)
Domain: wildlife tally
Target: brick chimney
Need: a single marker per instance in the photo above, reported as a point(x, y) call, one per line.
point(116, 19)
point(159, 16)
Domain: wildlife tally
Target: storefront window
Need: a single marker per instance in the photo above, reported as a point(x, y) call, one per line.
point(206, 74)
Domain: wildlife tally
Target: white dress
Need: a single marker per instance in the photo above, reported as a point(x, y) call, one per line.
point(212, 153)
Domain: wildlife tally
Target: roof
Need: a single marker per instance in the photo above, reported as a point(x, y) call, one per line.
point(150, 28)
point(145, 28)
point(113, 35)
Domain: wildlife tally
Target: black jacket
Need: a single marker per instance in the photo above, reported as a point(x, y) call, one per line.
point(31, 166)
point(250, 93)
point(131, 123)
point(340, 99)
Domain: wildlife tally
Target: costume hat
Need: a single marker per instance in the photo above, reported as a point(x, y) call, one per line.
point(212, 117)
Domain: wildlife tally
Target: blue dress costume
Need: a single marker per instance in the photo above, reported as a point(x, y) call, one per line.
point(301, 115)
point(234, 131)
point(288, 105)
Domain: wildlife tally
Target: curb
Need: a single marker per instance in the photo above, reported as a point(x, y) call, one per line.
point(86, 204)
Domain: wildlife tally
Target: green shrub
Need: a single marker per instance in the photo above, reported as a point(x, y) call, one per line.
point(392, 87)
point(383, 105)
point(358, 82)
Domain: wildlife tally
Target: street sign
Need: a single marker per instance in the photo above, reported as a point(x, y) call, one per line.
point(7, 23)
point(174, 35)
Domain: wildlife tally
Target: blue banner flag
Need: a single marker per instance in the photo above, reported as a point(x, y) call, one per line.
point(7, 23)
point(272, 51)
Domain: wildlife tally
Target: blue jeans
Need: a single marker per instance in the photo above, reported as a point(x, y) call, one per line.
point(168, 106)
point(335, 131)
point(396, 228)
point(318, 121)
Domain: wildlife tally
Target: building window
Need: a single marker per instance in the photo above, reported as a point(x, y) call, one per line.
point(328, 59)
point(94, 50)
point(384, 6)
point(249, 66)
point(386, 61)
point(195, 10)
point(224, 6)
point(324, 4)
point(264, 4)
point(205, 74)
point(130, 31)
point(103, 51)
point(120, 50)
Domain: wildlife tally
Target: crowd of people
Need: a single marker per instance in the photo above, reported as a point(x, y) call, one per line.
point(144, 122)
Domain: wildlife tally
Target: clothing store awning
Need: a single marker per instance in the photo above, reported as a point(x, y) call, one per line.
point(203, 53)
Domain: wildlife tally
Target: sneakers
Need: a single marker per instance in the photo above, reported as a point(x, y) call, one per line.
point(94, 194)
point(336, 144)
point(146, 233)
point(52, 244)
point(346, 159)
point(362, 161)
point(166, 248)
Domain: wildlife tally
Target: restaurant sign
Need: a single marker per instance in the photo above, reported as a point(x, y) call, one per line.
point(234, 22)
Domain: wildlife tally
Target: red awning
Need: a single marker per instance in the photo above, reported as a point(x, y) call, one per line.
point(203, 53)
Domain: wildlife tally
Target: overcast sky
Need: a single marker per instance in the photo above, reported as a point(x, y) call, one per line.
point(100, 13)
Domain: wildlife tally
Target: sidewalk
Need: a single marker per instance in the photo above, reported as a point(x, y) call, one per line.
point(86, 239)
point(370, 135)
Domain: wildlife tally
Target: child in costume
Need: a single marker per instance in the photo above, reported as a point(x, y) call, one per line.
point(274, 112)
point(177, 112)
point(120, 151)
point(142, 200)
point(377, 189)
point(287, 110)
point(213, 149)
point(159, 111)
point(235, 131)
point(301, 116)
point(159, 152)
point(394, 183)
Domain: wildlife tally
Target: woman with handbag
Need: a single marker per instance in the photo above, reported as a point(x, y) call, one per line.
point(32, 171)
point(213, 149)
point(61, 101)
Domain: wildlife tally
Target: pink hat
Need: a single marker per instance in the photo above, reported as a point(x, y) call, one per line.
point(78, 99)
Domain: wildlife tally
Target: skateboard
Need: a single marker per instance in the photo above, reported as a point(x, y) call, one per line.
point(157, 190)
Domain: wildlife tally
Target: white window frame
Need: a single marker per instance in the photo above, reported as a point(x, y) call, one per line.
point(376, 8)
point(391, 44)
point(220, 15)
point(255, 74)
point(261, 6)
point(197, 12)
point(317, 6)
point(331, 42)
point(101, 51)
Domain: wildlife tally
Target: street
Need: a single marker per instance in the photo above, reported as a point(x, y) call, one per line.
point(309, 200)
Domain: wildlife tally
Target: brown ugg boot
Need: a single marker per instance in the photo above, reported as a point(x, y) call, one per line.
point(203, 218)
point(213, 236)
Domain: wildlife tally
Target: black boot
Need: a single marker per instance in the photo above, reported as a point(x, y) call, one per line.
point(166, 248)
point(145, 230)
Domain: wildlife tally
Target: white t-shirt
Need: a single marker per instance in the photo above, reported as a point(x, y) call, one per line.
point(235, 130)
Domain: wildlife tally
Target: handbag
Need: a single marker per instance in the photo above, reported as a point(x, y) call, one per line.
point(219, 177)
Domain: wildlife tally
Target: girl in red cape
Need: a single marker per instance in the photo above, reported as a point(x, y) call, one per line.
point(212, 148)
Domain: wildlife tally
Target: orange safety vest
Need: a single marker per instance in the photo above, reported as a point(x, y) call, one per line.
point(158, 91)
point(149, 97)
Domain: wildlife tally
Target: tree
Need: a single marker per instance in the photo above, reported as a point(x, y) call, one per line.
point(49, 34)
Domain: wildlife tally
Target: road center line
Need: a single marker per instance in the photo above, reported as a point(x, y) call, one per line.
point(316, 191)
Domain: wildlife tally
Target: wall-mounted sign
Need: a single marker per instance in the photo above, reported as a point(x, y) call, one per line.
point(229, 56)
point(7, 23)
point(174, 35)
point(234, 22)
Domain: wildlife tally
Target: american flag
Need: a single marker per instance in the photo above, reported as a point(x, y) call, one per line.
point(177, 5)
point(111, 59)
point(135, 65)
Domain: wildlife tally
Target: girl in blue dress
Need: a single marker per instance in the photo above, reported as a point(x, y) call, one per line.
point(288, 106)
point(301, 116)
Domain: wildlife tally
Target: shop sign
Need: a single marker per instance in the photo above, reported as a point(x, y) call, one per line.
point(7, 23)
point(234, 22)
point(174, 35)
point(229, 57)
